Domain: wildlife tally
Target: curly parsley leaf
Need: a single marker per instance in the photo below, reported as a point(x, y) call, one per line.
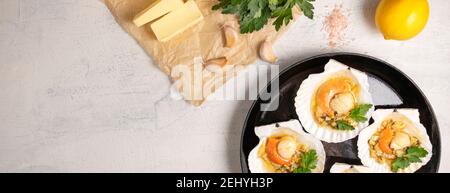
point(413, 155)
point(283, 14)
point(255, 14)
point(343, 125)
point(416, 152)
point(307, 7)
point(228, 6)
point(308, 162)
point(399, 163)
point(358, 114)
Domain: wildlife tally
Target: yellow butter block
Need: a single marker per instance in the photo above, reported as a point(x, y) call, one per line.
point(156, 10)
point(177, 21)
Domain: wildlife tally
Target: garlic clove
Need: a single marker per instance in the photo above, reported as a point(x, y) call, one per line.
point(266, 52)
point(231, 36)
point(213, 65)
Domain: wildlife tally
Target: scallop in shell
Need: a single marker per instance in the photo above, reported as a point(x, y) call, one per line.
point(334, 106)
point(282, 147)
point(395, 142)
point(346, 168)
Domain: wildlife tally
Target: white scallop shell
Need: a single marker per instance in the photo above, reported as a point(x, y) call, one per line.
point(346, 168)
point(379, 116)
point(256, 164)
point(307, 91)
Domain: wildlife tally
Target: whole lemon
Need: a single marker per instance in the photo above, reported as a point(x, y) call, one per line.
point(402, 19)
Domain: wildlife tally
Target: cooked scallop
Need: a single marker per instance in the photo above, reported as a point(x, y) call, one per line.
point(400, 141)
point(281, 148)
point(396, 137)
point(335, 105)
point(346, 168)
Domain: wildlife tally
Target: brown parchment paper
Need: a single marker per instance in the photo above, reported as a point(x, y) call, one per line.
point(204, 40)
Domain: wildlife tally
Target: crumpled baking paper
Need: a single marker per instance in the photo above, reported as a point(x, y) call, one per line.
point(204, 41)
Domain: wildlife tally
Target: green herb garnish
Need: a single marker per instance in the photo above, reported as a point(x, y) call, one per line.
point(358, 114)
point(413, 155)
point(343, 125)
point(308, 162)
point(255, 14)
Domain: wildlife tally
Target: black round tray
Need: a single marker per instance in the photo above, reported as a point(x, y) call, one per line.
point(393, 89)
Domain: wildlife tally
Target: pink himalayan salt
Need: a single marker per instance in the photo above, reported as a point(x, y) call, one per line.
point(335, 24)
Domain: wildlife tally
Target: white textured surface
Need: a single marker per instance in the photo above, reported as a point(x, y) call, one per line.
point(77, 94)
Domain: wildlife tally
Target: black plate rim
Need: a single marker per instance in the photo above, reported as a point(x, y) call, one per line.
point(334, 54)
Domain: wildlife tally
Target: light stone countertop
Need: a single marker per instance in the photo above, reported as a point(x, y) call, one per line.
point(77, 94)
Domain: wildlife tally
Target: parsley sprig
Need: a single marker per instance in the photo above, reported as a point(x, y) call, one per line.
point(357, 114)
point(343, 125)
point(255, 14)
point(413, 155)
point(308, 162)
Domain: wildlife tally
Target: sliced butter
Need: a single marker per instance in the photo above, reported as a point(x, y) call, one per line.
point(156, 10)
point(177, 21)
